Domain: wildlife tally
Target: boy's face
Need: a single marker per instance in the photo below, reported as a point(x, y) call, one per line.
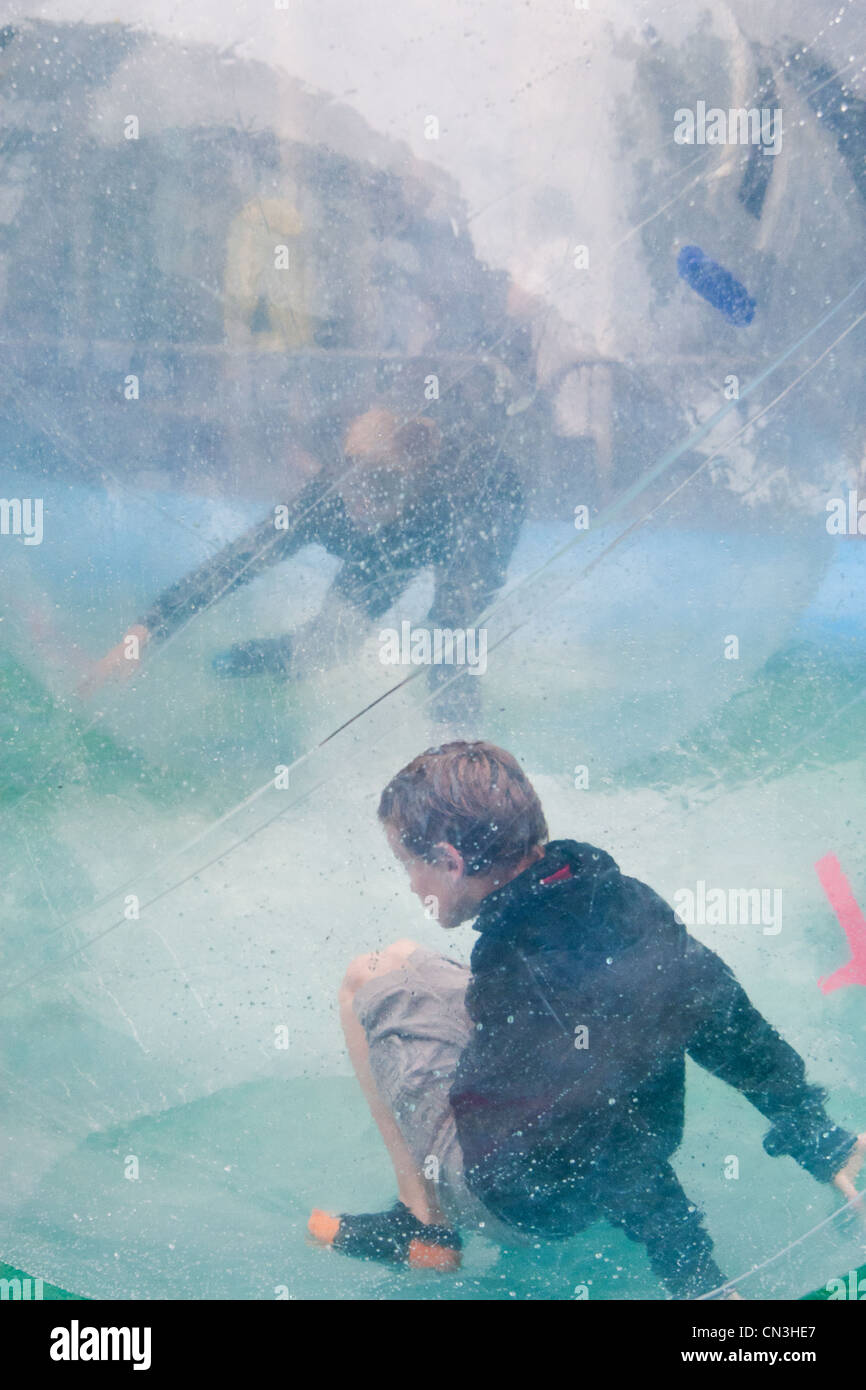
point(445, 882)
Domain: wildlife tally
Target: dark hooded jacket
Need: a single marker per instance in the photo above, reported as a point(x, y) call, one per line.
point(586, 993)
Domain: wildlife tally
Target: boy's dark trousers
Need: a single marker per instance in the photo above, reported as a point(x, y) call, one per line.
point(654, 1210)
point(647, 1203)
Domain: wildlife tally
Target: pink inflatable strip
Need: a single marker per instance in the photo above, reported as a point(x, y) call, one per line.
point(851, 920)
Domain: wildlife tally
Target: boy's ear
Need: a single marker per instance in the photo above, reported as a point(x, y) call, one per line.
point(447, 857)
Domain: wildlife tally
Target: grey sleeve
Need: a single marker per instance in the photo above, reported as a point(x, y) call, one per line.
point(236, 564)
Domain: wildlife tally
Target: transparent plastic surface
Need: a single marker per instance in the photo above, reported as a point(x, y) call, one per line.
point(229, 233)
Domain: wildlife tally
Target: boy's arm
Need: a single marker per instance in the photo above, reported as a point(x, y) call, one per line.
point(236, 564)
point(734, 1041)
point(312, 515)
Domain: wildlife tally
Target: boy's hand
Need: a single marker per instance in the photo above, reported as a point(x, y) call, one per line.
point(118, 664)
point(844, 1179)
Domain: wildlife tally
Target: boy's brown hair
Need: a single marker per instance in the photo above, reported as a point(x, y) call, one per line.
point(473, 796)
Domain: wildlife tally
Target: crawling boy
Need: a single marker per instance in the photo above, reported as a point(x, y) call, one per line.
point(543, 1088)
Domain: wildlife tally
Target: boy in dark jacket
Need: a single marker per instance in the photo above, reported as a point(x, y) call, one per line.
point(543, 1089)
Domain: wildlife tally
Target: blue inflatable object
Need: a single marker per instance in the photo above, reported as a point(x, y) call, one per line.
point(716, 285)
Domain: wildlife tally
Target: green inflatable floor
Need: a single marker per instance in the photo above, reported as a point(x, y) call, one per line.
point(15, 1284)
